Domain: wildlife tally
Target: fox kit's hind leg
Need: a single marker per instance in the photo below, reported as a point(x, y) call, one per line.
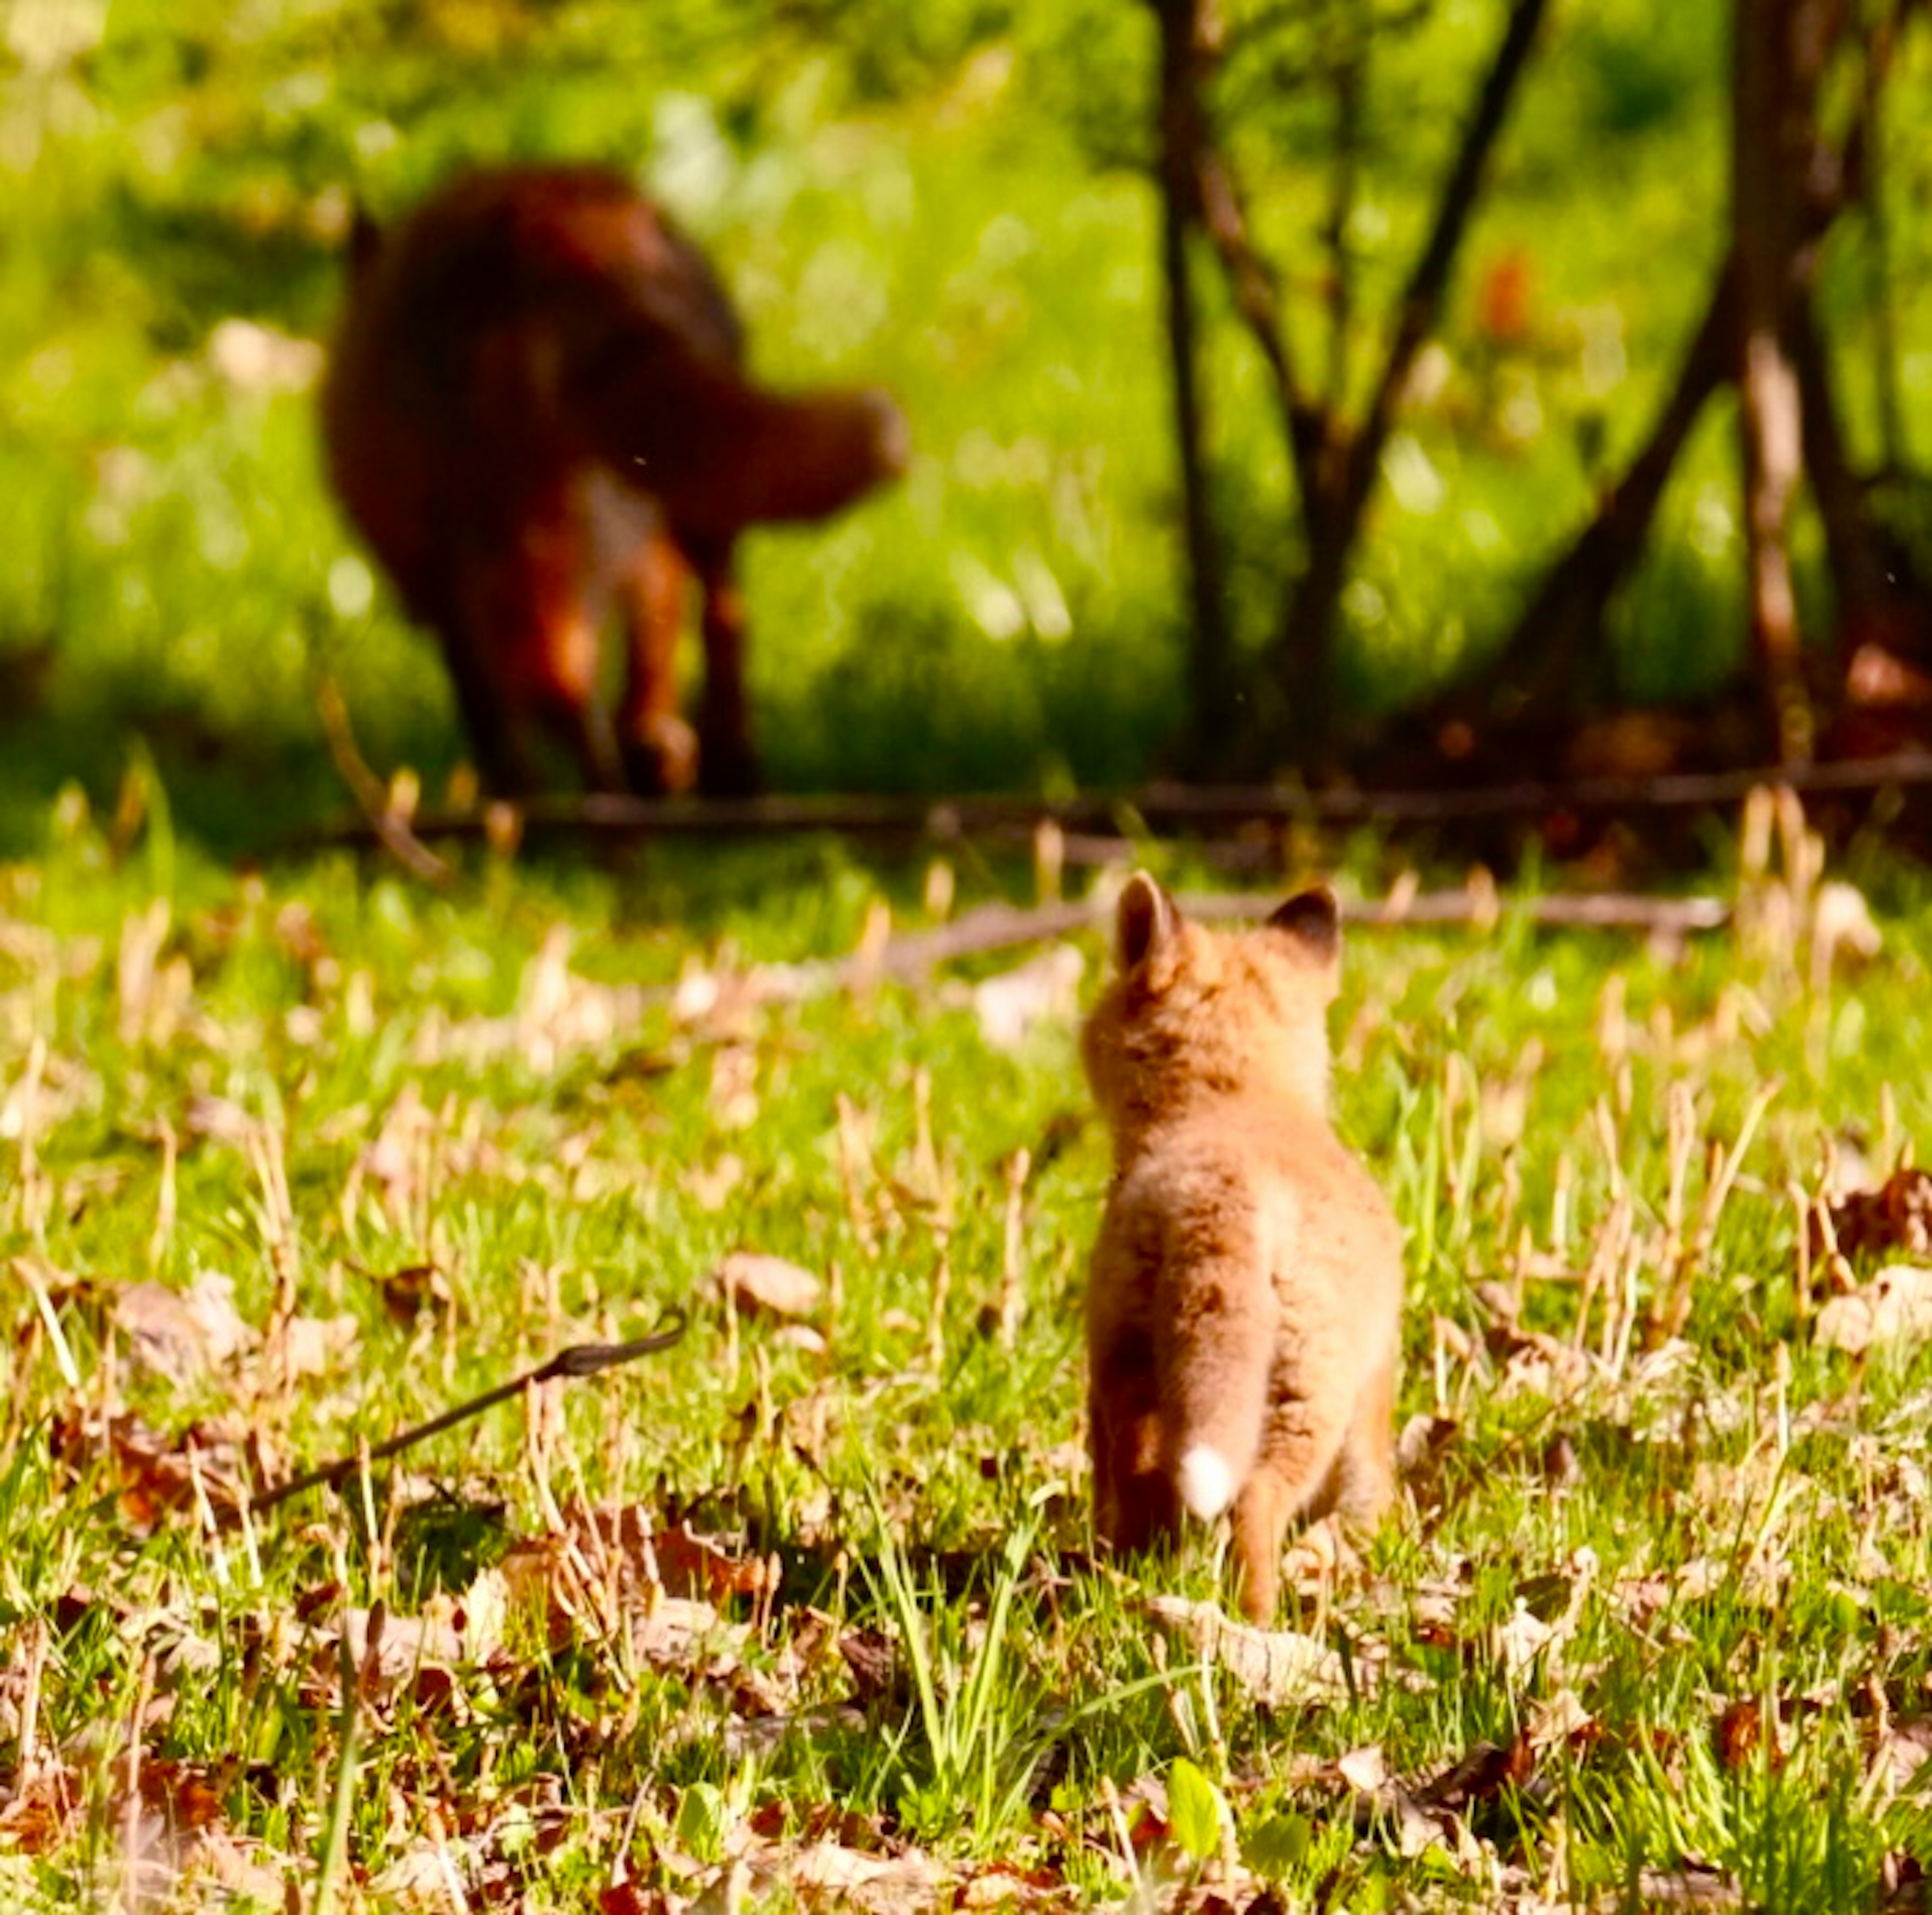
point(1134, 1502)
point(1366, 1471)
point(1294, 1476)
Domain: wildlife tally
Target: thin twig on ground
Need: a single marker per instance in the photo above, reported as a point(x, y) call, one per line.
point(580, 1359)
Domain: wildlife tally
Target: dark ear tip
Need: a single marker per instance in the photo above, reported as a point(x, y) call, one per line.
point(1313, 918)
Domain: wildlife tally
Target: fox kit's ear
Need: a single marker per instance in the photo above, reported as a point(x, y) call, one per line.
point(1314, 920)
point(1146, 922)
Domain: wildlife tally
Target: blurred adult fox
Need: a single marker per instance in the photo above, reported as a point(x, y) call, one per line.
point(1243, 1309)
point(537, 415)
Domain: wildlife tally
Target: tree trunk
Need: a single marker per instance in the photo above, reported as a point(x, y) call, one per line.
point(1769, 123)
point(1182, 137)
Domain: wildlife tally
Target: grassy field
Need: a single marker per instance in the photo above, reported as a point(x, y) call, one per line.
point(804, 1611)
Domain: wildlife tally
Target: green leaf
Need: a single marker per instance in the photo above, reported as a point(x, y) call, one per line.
point(700, 1822)
point(1278, 1846)
point(1194, 1809)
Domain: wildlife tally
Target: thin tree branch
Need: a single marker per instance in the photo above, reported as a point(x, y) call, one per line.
point(1257, 297)
point(580, 1359)
point(1421, 303)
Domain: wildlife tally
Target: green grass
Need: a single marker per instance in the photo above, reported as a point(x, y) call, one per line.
point(1611, 1558)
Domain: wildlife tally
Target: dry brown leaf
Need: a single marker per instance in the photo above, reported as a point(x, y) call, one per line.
point(182, 1336)
point(1904, 1749)
point(157, 1476)
point(1562, 1717)
point(1691, 1884)
point(44, 1810)
point(416, 1288)
point(1895, 1307)
point(710, 1188)
point(1741, 1738)
point(755, 1283)
point(318, 1346)
point(1479, 1776)
point(1364, 1770)
point(733, 1092)
point(1278, 1668)
point(674, 1562)
point(851, 1878)
point(220, 1119)
point(677, 1633)
point(426, 1876)
point(1897, 1217)
point(690, 1565)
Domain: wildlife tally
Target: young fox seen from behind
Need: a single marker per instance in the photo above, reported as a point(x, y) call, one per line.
point(1243, 1309)
point(538, 415)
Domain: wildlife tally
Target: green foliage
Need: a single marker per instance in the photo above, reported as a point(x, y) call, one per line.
point(947, 200)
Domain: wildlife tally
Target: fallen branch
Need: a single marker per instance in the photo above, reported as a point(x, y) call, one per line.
point(998, 927)
point(1160, 811)
point(580, 1359)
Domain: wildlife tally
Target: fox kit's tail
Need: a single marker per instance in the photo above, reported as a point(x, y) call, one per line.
point(1218, 1354)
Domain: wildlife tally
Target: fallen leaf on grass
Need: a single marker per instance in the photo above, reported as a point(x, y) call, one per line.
point(182, 1335)
point(1691, 1884)
point(757, 1283)
point(678, 1561)
point(415, 1290)
point(156, 1476)
point(851, 1879)
point(1742, 1738)
point(425, 1876)
point(1479, 1776)
point(1895, 1307)
point(1434, 1814)
point(1897, 1217)
point(318, 1346)
point(1904, 1749)
point(1278, 1668)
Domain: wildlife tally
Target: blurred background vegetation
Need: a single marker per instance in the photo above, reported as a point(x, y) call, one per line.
point(954, 200)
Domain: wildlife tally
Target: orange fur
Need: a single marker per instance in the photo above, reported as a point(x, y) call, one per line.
point(537, 415)
point(1244, 1303)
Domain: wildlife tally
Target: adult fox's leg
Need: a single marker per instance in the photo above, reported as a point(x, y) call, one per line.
point(660, 749)
point(727, 764)
point(525, 631)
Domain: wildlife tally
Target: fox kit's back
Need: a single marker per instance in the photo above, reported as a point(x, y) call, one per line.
point(1243, 1309)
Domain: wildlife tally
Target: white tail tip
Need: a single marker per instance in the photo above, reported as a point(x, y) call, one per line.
point(1207, 1485)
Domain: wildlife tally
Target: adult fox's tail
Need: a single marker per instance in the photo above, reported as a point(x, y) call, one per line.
point(1220, 1319)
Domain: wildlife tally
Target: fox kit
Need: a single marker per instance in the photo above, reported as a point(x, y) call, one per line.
point(537, 414)
point(1244, 1305)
